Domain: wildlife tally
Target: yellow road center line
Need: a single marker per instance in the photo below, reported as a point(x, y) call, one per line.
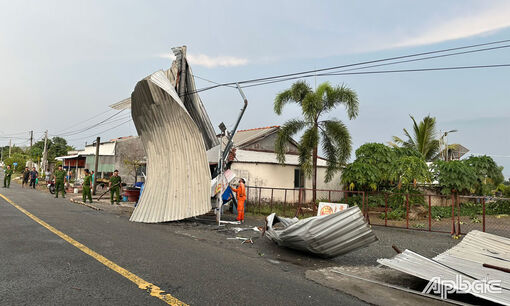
point(141, 283)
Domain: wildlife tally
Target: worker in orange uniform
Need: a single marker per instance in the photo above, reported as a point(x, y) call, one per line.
point(241, 198)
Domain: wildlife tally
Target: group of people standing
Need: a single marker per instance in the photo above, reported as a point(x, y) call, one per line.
point(115, 187)
point(31, 178)
point(30, 175)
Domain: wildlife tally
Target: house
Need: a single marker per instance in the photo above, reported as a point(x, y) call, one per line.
point(120, 153)
point(253, 158)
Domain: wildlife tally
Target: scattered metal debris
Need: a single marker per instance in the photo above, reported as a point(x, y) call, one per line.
point(245, 240)
point(328, 236)
point(473, 260)
point(241, 229)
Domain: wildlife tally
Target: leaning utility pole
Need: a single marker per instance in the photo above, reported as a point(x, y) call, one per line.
point(96, 162)
point(182, 76)
point(45, 152)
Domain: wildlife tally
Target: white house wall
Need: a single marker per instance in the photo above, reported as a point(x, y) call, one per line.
point(277, 176)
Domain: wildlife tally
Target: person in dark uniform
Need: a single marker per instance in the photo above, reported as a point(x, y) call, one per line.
point(87, 180)
point(115, 186)
point(7, 177)
point(26, 177)
point(33, 177)
point(60, 178)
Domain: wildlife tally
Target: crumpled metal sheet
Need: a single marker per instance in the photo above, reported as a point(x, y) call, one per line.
point(478, 248)
point(465, 259)
point(191, 100)
point(178, 176)
point(326, 236)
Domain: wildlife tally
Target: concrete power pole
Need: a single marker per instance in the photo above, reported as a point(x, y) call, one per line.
point(45, 152)
point(182, 80)
point(96, 163)
point(10, 146)
point(31, 138)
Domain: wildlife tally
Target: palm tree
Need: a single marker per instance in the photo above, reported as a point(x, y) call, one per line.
point(332, 134)
point(423, 140)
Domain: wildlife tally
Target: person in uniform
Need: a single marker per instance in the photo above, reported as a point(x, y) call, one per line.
point(33, 177)
point(87, 180)
point(7, 177)
point(115, 186)
point(60, 178)
point(241, 198)
point(26, 177)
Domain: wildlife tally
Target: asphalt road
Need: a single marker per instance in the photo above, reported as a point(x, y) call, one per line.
point(39, 267)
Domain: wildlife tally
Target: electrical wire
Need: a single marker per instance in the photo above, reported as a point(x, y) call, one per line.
point(383, 72)
point(99, 133)
point(70, 133)
point(80, 122)
point(296, 74)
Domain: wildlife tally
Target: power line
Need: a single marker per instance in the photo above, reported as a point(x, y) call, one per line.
point(104, 131)
point(75, 124)
point(294, 75)
point(383, 72)
point(398, 62)
point(70, 133)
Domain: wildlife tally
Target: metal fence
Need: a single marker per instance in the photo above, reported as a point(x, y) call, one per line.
point(415, 211)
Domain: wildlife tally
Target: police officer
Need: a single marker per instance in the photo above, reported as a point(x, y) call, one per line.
point(86, 186)
point(115, 186)
point(60, 178)
point(26, 177)
point(7, 177)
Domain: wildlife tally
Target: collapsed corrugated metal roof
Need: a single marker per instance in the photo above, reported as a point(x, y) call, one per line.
point(181, 71)
point(327, 236)
point(465, 260)
point(178, 176)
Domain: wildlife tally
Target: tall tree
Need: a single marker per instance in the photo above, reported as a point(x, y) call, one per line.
point(332, 134)
point(424, 138)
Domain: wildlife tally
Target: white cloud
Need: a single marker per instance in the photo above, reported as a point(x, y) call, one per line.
point(494, 18)
point(209, 61)
point(218, 61)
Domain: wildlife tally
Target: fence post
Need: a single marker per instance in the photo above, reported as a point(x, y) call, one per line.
point(430, 214)
point(458, 214)
point(247, 199)
point(483, 214)
point(407, 210)
point(329, 196)
point(285, 202)
point(453, 214)
point(385, 209)
point(363, 206)
point(260, 193)
point(271, 205)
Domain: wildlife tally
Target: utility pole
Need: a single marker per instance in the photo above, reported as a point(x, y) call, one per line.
point(31, 138)
point(182, 80)
point(96, 162)
point(10, 146)
point(45, 152)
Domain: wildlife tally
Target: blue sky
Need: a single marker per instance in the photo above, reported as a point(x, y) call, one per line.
point(66, 61)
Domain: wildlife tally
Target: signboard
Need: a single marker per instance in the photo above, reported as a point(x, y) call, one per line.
point(14, 164)
point(326, 208)
point(229, 175)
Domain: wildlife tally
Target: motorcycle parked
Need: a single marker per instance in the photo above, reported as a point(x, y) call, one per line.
point(51, 186)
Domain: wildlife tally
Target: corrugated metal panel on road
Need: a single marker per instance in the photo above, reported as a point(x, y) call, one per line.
point(464, 260)
point(327, 236)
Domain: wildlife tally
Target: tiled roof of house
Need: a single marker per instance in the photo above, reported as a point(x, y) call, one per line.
point(243, 137)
